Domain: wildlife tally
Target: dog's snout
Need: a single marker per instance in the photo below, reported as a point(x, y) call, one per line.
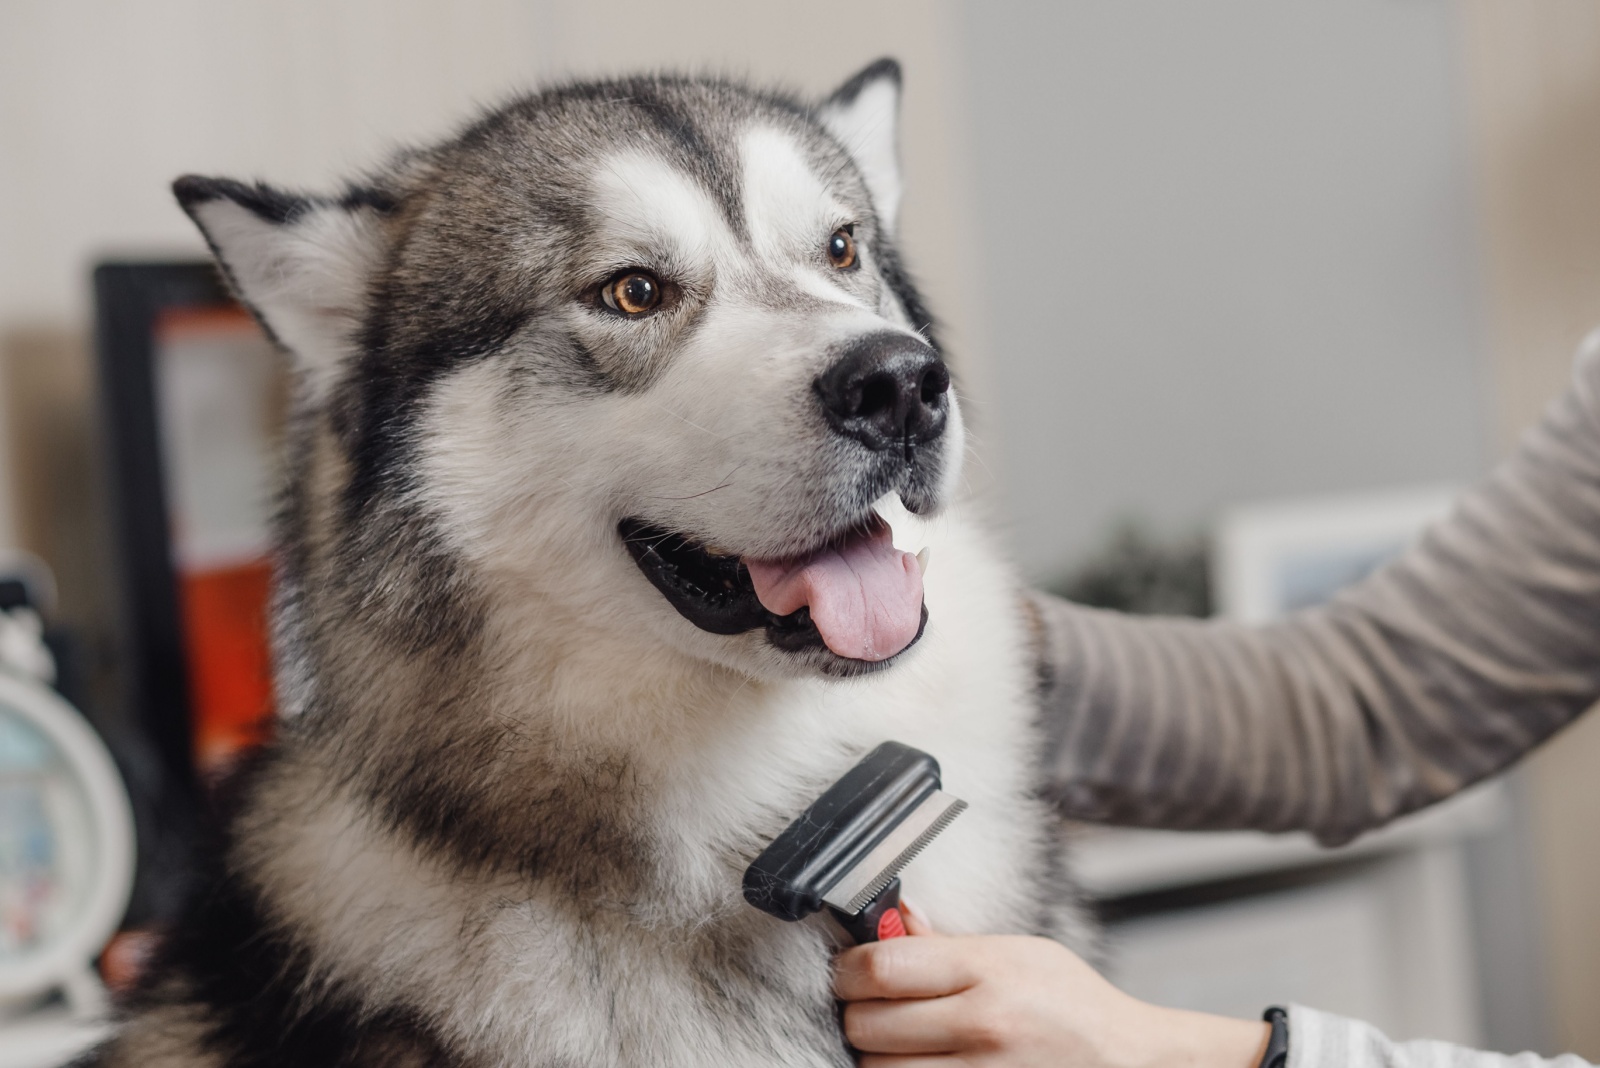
point(887, 391)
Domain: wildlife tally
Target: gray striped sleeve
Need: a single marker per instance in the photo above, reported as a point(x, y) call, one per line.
point(1322, 1040)
point(1435, 672)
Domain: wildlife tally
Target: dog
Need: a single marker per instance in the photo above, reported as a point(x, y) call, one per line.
point(617, 423)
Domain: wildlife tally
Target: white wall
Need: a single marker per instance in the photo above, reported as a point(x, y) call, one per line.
point(1229, 254)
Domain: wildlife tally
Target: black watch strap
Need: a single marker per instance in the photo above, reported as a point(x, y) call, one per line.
point(1277, 1052)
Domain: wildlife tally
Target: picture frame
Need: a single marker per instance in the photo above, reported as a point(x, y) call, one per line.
point(1273, 558)
point(193, 394)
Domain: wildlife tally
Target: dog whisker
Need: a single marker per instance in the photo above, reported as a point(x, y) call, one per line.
point(686, 419)
point(692, 496)
point(727, 480)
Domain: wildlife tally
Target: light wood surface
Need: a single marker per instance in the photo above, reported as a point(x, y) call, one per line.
point(1533, 76)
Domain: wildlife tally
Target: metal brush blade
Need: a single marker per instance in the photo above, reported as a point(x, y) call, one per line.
point(889, 857)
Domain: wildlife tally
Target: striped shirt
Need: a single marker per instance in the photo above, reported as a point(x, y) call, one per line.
point(1323, 1040)
point(1439, 670)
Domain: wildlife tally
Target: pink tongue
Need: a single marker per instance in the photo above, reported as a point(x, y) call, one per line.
point(865, 595)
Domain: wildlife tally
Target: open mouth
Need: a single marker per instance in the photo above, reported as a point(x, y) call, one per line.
point(856, 597)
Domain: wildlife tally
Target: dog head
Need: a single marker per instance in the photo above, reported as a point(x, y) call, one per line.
point(639, 351)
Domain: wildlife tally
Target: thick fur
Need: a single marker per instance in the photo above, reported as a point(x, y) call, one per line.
point(514, 791)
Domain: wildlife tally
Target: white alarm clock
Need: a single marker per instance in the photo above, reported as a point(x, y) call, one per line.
point(66, 849)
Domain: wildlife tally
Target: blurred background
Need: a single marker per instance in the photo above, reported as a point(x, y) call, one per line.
point(1237, 292)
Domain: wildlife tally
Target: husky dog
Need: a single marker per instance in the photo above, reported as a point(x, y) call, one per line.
point(617, 423)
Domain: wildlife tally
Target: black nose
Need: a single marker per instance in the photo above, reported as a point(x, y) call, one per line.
point(887, 391)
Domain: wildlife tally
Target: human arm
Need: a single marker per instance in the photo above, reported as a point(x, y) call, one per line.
point(1436, 672)
point(1017, 1002)
point(1014, 1002)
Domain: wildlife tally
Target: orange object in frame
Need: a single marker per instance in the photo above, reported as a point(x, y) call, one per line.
point(230, 667)
point(220, 390)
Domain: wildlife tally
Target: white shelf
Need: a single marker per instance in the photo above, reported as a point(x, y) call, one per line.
point(1118, 862)
point(47, 1038)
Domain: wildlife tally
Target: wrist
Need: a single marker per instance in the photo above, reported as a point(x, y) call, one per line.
point(1200, 1040)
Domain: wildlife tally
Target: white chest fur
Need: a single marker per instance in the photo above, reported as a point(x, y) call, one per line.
point(690, 974)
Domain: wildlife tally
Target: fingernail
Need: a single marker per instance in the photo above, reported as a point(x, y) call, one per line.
point(916, 922)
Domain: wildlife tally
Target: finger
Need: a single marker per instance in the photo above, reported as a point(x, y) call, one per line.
point(895, 1060)
point(925, 1026)
point(904, 968)
point(916, 922)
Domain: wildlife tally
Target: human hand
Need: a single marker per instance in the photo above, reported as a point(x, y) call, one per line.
point(1016, 1002)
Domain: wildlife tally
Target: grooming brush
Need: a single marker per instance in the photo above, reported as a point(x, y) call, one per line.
point(847, 850)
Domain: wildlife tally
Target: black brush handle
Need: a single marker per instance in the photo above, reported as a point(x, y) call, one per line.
point(881, 919)
point(793, 874)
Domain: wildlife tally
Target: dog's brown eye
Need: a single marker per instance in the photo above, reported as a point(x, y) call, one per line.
point(632, 293)
point(842, 249)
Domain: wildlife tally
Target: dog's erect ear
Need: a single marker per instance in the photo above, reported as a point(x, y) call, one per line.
point(301, 264)
point(864, 114)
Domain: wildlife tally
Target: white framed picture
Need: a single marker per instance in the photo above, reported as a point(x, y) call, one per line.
point(1271, 559)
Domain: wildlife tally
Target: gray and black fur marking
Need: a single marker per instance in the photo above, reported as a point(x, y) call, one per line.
point(505, 814)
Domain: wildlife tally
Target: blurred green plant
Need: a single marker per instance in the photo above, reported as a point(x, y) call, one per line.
point(1143, 573)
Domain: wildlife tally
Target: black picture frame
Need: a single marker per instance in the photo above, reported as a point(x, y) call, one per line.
point(129, 299)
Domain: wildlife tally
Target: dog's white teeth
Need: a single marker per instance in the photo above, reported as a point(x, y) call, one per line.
point(906, 530)
point(922, 559)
